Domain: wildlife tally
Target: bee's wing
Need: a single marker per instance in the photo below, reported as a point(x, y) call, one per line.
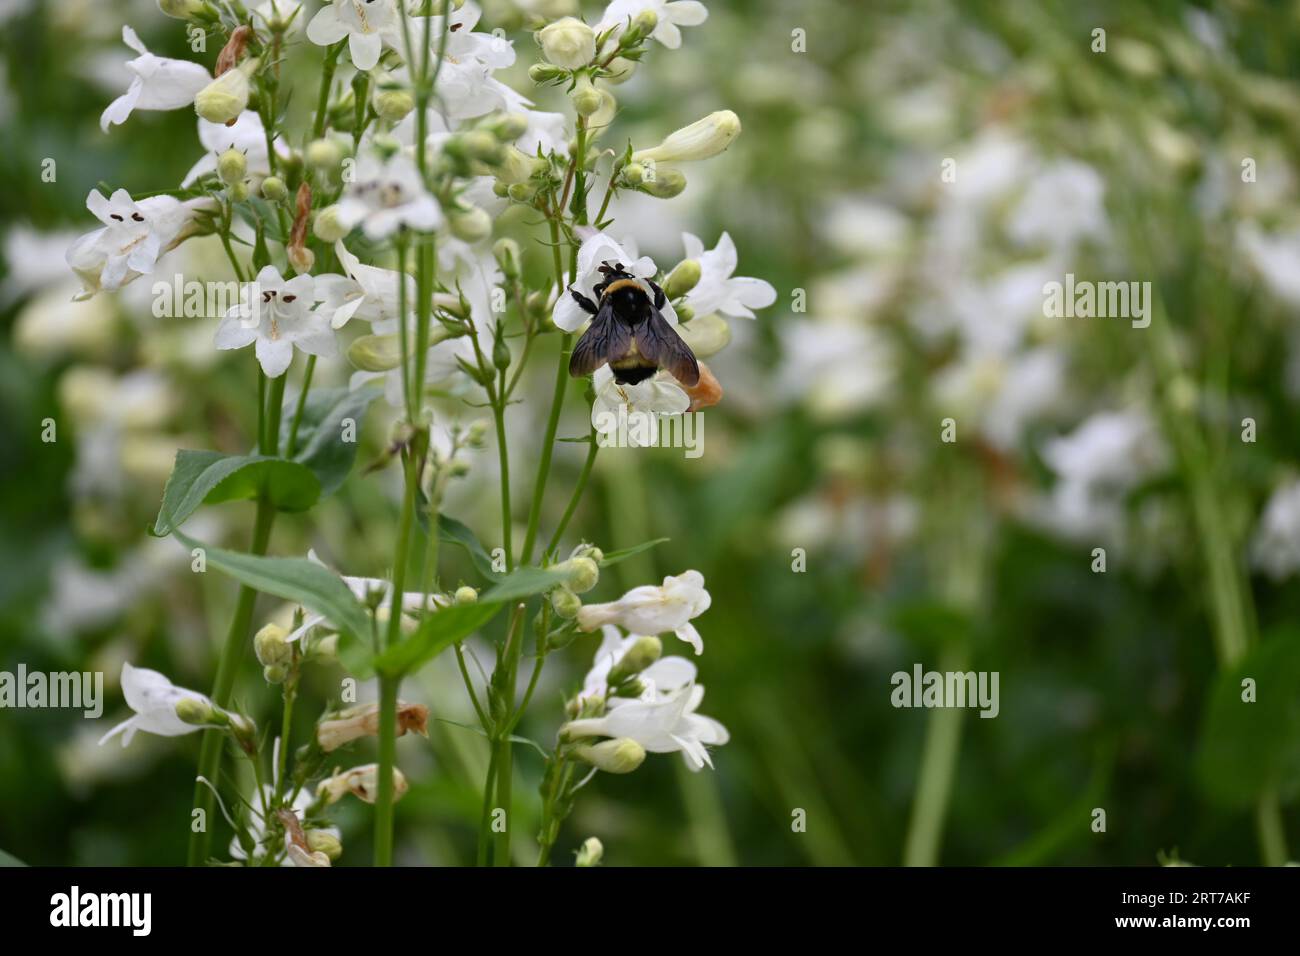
point(607, 338)
point(657, 341)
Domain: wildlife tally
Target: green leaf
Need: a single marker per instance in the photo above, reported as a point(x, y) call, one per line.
point(614, 557)
point(438, 630)
point(522, 583)
point(320, 445)
point(305, 582)
point(1247, 748)
point(455, 532)
point(513, 738)
point(209, 477)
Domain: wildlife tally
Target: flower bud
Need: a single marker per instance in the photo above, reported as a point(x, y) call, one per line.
point(604, 114)
point(301, 258)
point(327, 225)
point(685, 313)
point(361, 782)
point(620, 70)
point(466, 595)
point(192, 710)
point(583, 573)
point(222, 100)
point(181, 9)
point(274, 189)
point(470, 224)
point(363, 721)
point(232, 166)
point(613, 756)
point(589, 853)
point(568, 43)
point(521, 192)
point(643, 24)
point(477, 433)
point(275, 673)
point(506, 127)
point(376, 353)
point(585, 96)
point(665, 184)
point(682, 279)
point(322, 841)
point(393, 104)
point(270, 646)
point(706, 334)
point(704, 138)
point(458, 468)
point(238, 192)
point(643, 652)
point(566, 603)
point(543, 73)
point(324, 154)
point(518, 167)
point(305, 859)
point(507, 254)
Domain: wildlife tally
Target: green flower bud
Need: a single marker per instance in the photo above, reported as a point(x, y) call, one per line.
point(585, 96)
point(603, 116)
point(666, 184)
point(506, 127)
point(477, 433)
point(232, 166)
point(682, 279)
point(684, 314)
point(613, 756)
point(507, 254)
point(320, 841)
point(470, 224)
point(466, 595)
point(458, 468)
point(275, 673)
point(520, 192)
point(500, 354)
point(195, 712)
point(583, 574)
point(643, 24)
point(568, 43)
point(376, 353)
point(643, 652)
point(543, 73)
point(270, 646)
point(181, 9)
point(238, 192)
point(324, 154)
point(706, 334)
point(393, 105)
point(518, 167)
point(327, 226)
point(565, 603)
point(222, 100)
point(274, 189)
point(589, 853)
point(620, 69)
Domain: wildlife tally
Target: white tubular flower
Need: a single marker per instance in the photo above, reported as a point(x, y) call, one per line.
point(595, 251)
point(160, 83)
point(361, 782)
point(678, 13)
point(133, 237)
point(387, 195)
point(660, 679)
point(363, 721)
point(226, 97)
point(276, 315)
point(717, 290)
point(367, 25)
point(613, 756)
point(568, 42)
point(655, 610)
point(153, 698)
point(363, 292)
point(637, 407)
point(662, 726)
point(246, 135)
point(702, 139)
point(1276, 544)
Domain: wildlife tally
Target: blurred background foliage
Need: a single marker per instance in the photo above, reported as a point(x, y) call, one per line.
point(903, 300)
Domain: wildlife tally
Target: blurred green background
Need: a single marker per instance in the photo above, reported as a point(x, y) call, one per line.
point(904, 298)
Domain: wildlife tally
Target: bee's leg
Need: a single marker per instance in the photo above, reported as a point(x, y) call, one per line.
point(586, 304)
point(660, 298)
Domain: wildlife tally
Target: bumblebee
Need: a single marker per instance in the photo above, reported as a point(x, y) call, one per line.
point(630, 333)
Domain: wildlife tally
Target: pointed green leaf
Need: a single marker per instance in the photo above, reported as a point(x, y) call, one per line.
point(614, 557)
point(209, 477)
point(438, 630)
point(323, 443)
point(524, 582)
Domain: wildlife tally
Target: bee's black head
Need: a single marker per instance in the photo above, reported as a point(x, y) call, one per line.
point(615, 271)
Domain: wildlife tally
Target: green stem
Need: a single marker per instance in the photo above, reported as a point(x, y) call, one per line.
point(933, 785)
point(302, 404)
point(326, 81)
point(576, 497)
point(387, 756)
point(548, 446)
point(485, 817)
point(503, 455)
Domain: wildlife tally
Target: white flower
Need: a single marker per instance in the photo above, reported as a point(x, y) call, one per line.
point(1276, 545)
point(702, 139)
point(660, 679)
point(367, 25)
point(674, 14)
point(133, 237)
point(153, 698)
point(665, 725)
point(1276, 258)
point(1063, 205)
point(160, 83)
point(549, 131)
point(568, 42)
point(717, 290)
point(655, 610)
point(364, 292)
point(595, 251)
point(246, 135)
point(639, 405)
point(277, 316)
point(387, 195)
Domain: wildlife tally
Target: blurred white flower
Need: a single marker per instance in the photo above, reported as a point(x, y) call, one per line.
point(1063, 205)
point(1276, 258)
point(1276, 544)
point(667, 724)
point(837, 367)
point(671, 15)
point(547, 131)
point(718, 290)
point(652, 610)
point(160, 83)
point(153, 698)
point(366, 24)
point(386, 195)
point(276, 315)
